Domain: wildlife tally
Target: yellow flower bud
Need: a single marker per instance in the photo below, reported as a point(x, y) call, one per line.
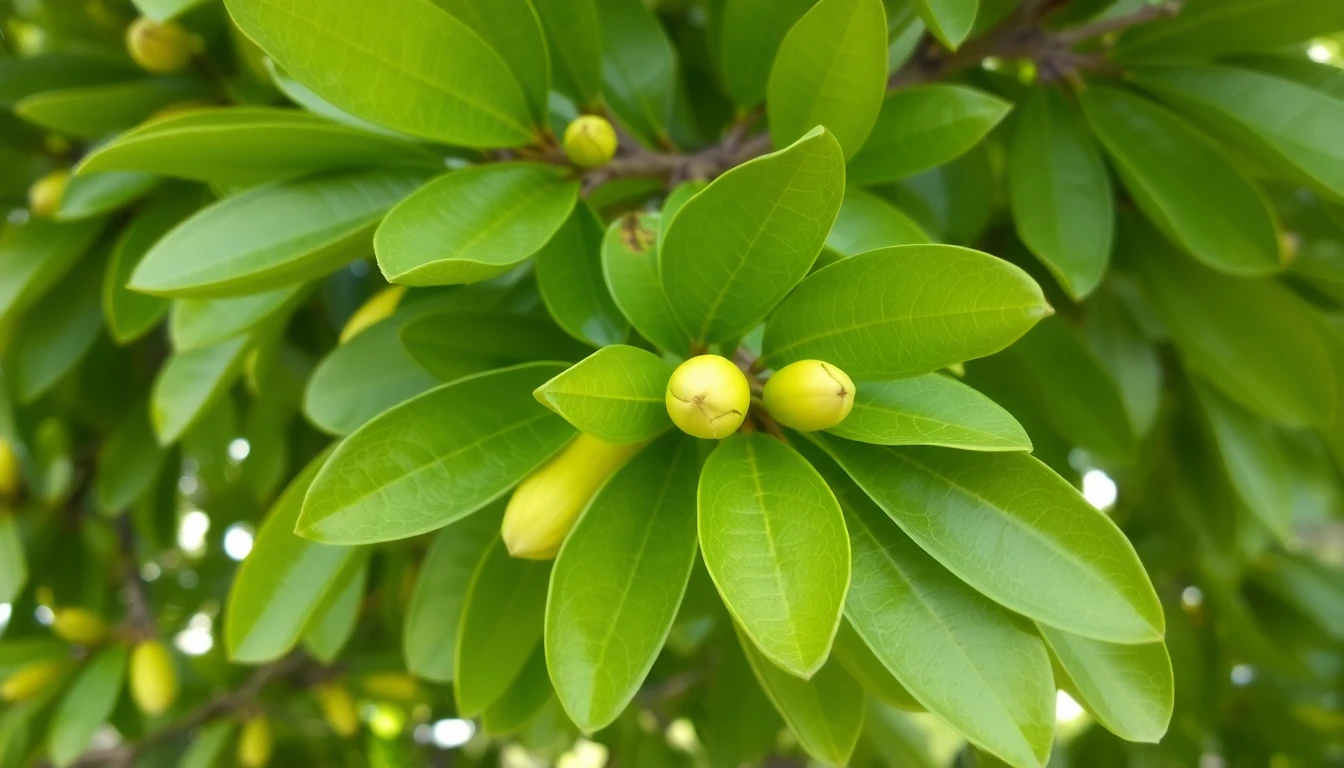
point(379, 307)
point(254, 743)
point(338, 706)
point(708, 397)
point(160, 48)
point(545, 506)
point(44, 197)
point(153, 677)
point(391, 685)
point(32, 680)
point(809, 395)
point(590, 141)
point(79, 626)
point(11, 474)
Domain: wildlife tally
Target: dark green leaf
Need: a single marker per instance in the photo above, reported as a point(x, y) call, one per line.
point(522, 700)
point(98, 193)
point(854, 655)
point(86, 705)
point(639, 67)
point(630, 265)
point(95, 111)
point(922, 128)
point(456, 343)
point(574, 37)
point(1129, 688)
point(932, 409)
point(191, 382)
point(1207, 28)
point(569, 275)
point(750, 32)
point(196, 323)
point(128, 461)
point(511, 28)
point(868, 222)
point(35, 255)
point(59, 331)
point(949, 20)
point(333, 621)
point(129, 314)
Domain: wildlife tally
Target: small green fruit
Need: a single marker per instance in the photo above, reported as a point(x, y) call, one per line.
point(44, 197)
point(160, 48)
point(79, 626)
point(32, 680)
point(590, 141)
point(809, 395)
point(153, 677)
point(708, 397)
point(254, 743)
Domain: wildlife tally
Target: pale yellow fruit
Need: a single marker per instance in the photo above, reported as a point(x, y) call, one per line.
point(44, 197)
point(590, 141)
point(254, 743)
point(11, 474)
point(79, 625)
point(32, 680)
point(391, 685)
point(708, 397)
point(153, 677)
point(160, 48)
point(809, 395)
point(338, 707)
point(545, 506)
point(379, 307)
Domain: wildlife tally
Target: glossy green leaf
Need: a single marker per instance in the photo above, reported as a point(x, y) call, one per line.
point(196, 323)
point(248, 146)
point(455, 343)
point(525, 697)
point(305, 97)
point(617, 393)
point(1314, 588)
point(903, 311)
point(1206, 28)
point(502, 623)
point(740, 724)
point(858, 659)
point(128, 461)
point(473, 224)
point(93, 112)
point(434, 458)
point(574, 37)
point(675, 199)
point(98, 193)
point(333, 621)
point(130, 314)
point(23, 76)
point(896, 737)
point(922, 128)
point(429, 640)
point(87, 703)
point(35, 255)
point(868, 222)
point(1184, 183)
point(191, 382)
point(774, 541)
point(825, 712)
point(1114, 337)
point(569, 274)
point(831, 70)
point(737, 248)
point(421, 90)
point(1128, 688)
point(932, 409)
point(949, 20)
point(58, 331)
point(1322, 76)
point(953, 202)
point(1060, 193)
point(639, 66)
point(619, 580)
point(1014, 530)
point(1256, 460)
point(630, 266)
point(512, 29)
point(750, 33)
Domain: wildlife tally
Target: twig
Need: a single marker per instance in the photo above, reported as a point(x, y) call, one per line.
point(1106, 26)
point(139, 614)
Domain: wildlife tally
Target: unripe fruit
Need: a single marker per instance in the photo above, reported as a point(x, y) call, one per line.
point(379, 307)
point(254, 743)
point(32, 680)
point(708, 397)
point(160, 48)
point(11, 475)
point(153, 678)
point(545, 506)
point(44, 197)
point(79, 626)
point(809, 395)
point(590, 141)
point(391, 685)
point(338, 707)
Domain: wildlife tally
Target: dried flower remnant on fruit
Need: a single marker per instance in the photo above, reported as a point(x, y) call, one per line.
point(153, 677)
point(590, 141)
point(44, 196)
point(160, 48)
point(708, 397)
point(809, 395)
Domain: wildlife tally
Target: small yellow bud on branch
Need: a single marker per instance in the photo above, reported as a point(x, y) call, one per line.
point(590, 141)
point(79, 626)
point(32, 680)
point(708, 397)
point(44, 197)
point(338, 707)
point(153, 677)
point(254, 743)
point(809, 395)
point(159, 48)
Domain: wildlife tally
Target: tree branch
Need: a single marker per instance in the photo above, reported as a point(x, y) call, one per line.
point(1097, 29)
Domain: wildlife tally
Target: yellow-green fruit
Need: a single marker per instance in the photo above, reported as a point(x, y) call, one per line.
point(545, 506)
point(11, 475)
point(391, 685)
point(79, 626)
point(379, 307)
point(338, 706)
point(44, 197)
point(809, 395)
point(590, 141)
point(161, 48)
point(32, 680)
point(153, 677)
point(708, 397)
point(254, 743)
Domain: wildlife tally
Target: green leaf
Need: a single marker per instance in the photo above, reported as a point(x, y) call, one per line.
point(750, 33)
point(675, 199)
point(522, 700)
point(191, 382)
point(502, 623)
point(163, 10)
point(87, 703)
point(1128, 688)
point(99, 193)
point(420, 90)
point(331, 624)
point(774, 541)
point(282, 581)
point(473, 224)
point(95, 111)
point(248, 146)
point(617, 393)
point(1014, 530)
point(35, 255)
point(1206, 28)
point(932, 409)
point(739, 246)
point(434, 458)
point(825, 712)
point(1060, 193)
point(1288, 128)
point(197, 323)
point(58, 331)
point(831, 70)
point(740, 724)
point(630, 265)
point(455, 343)
point(922, 128)
point(429, 640)
point(903, 311)
point(639, 66)
point(574, 37)
point(513, 30)
point(859, 660)
point(1256, 459)
point(129, 314)
point(13, 561)
point(569, 274)
point(868, 222)
point(23, 76)
point(1185, 184)
point(1132, 362)
point(128, 461)
point(209, 744)
point(619, 581)
point(949, 20)
point(953, 202)
point(1321, 76)
point(1310, 586)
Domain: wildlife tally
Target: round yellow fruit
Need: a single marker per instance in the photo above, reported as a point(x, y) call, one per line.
point(338, 707)
point(254, 743)
point(708, 397)
point(809, 395)
point(79, 626)
point(590, 141)
point(44, 197)
point(160, 48)
point(153, 677)
point(32, 680)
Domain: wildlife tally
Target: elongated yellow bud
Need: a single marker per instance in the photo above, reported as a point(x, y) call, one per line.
point(160, 48)
point(590, 141)
point(153, 677)
point(254, 743)
point(11, 474)
point(44, 197)
point(545, 506)
point(79, 625)
point(380, 306)
point(338, 707)
point(708, 397)
point(32, 680)
point(809, 395)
